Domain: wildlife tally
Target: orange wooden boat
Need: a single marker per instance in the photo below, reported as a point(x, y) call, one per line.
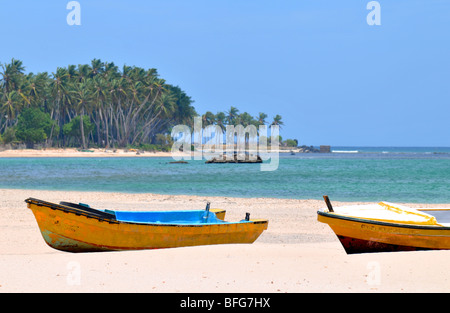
point(80, 228)
point(386, 227)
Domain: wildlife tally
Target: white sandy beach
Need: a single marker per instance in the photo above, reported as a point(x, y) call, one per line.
point(72, 152)
point(295, 254)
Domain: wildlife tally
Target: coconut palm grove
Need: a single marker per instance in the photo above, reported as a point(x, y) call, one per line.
point(99, 105)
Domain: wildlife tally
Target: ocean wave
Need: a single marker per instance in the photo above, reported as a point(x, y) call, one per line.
point(344, 151)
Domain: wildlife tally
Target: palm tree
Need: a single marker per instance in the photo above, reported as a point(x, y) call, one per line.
point(23, 88)
point(61, 94)
point(184, 111)
point(38, 92)
point(10, 108)
point(261, 118)
point(11, 73)
point(221, 120)
point(83, 100)
point(277, 121)
point(127, 106)
point(232, 115)
point(97, 67)
point(100, 95)
point(72, 72)
point(156, 121)
point(245, 119)
point(208, 118)
point(110, 71)
point(84, 72)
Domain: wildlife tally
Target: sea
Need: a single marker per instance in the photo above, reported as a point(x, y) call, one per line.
point(395, 174)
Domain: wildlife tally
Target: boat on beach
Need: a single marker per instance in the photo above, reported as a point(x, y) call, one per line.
point(74, 227)
point(387, 227)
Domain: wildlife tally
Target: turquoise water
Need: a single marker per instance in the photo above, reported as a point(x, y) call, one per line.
point(372, 174)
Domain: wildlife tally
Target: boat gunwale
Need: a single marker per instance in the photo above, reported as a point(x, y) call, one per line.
point(71, 210)
point(381, 223)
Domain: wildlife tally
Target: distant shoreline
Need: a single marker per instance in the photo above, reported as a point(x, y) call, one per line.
point(74, 152)
point(96, 152)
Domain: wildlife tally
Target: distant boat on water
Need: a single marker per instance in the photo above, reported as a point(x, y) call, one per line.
point(237, 158)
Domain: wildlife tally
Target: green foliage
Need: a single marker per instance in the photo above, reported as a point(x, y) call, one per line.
point(291, 142)
point(164, 140)
point(120, 106)
point(149, 147)
point(9, 135)
point(73, 128)
point(127, 106)
point(33, 126)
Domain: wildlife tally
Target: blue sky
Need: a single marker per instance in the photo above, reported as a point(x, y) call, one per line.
point(332, 77)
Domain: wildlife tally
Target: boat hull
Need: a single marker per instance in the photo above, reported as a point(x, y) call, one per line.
point(358, 235)
point(67, 230)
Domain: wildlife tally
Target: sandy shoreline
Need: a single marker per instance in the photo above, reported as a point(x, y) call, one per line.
point(73, 153)
point(295, 254)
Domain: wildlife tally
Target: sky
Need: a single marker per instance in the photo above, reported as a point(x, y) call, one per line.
point(334, 79)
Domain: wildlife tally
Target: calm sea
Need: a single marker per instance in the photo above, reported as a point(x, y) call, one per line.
point(346, 174)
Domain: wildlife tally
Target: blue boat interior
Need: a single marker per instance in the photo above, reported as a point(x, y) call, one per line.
point(169, 217)
point(156, 217)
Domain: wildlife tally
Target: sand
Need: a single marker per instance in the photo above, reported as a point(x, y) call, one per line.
point(296, 254)
point(72, 152)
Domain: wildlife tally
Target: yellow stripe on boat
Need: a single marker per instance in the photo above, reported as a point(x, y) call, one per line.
point(387, 212)
point(425, 219)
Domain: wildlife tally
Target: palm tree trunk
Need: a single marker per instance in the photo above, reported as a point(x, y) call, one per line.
point(82, 131)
